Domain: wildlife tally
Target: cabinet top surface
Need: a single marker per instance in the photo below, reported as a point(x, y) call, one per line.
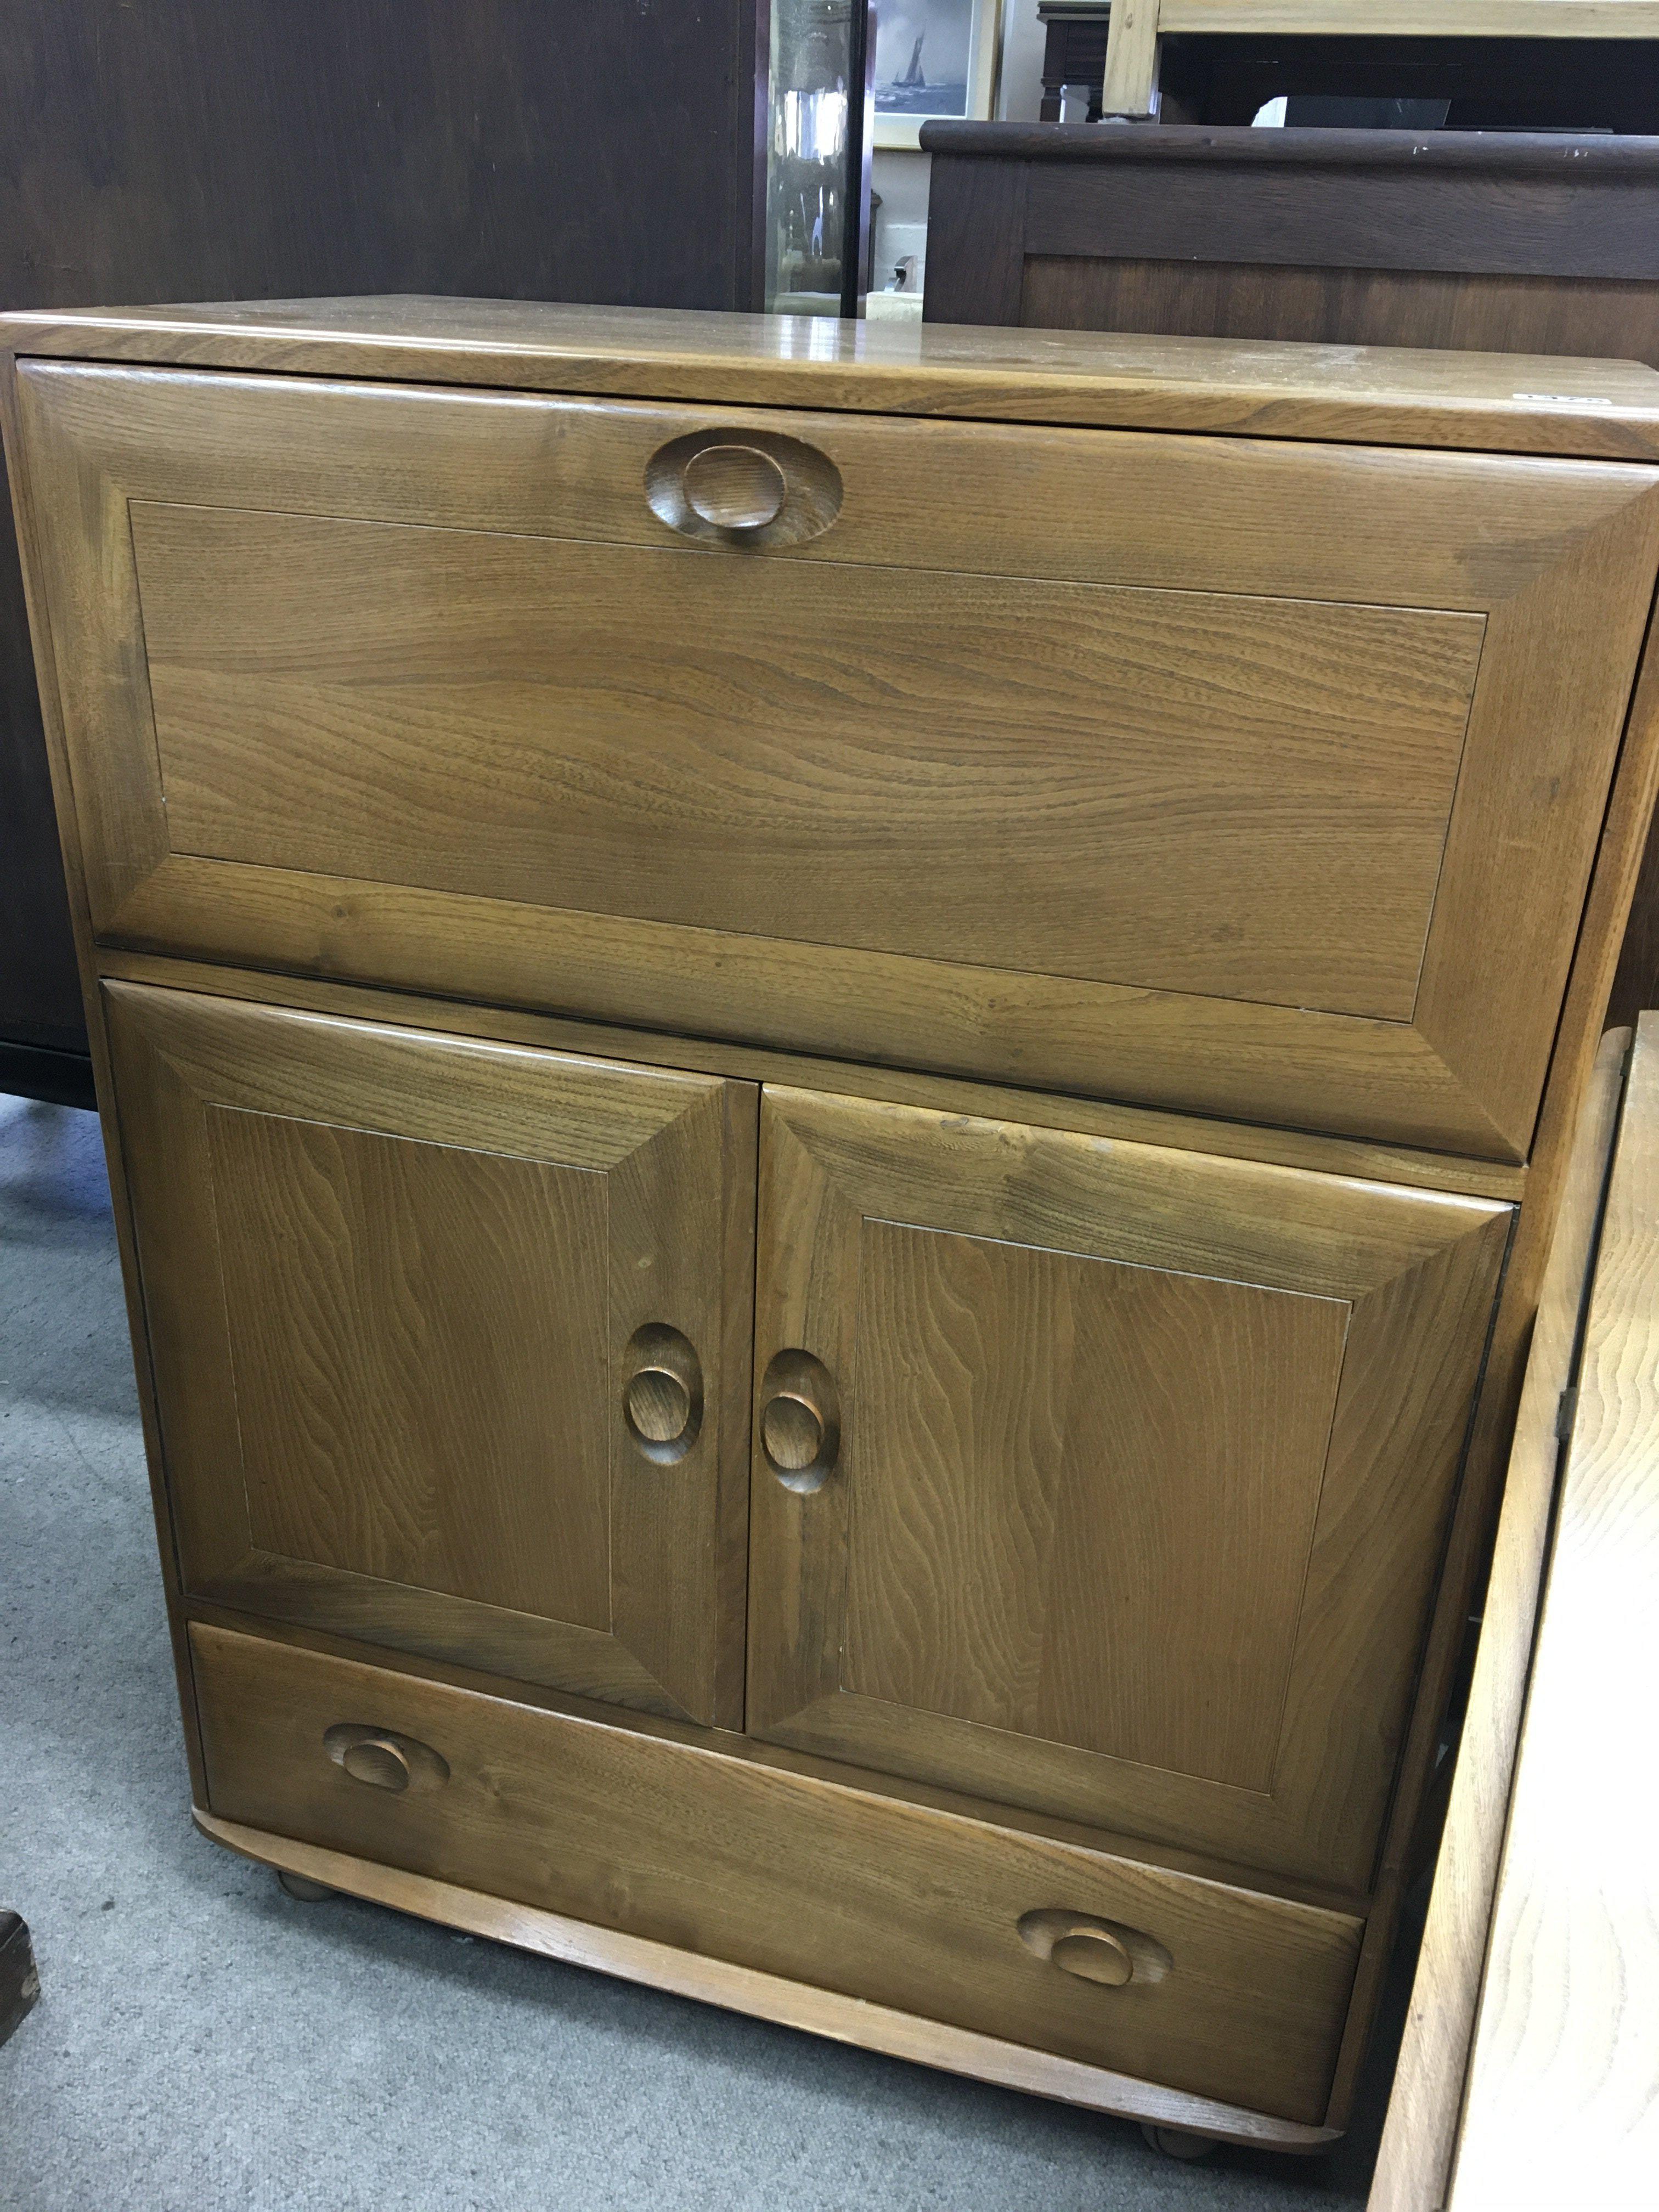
point(1510, 402)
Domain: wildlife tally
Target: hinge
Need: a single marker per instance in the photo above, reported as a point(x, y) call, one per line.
point(1564, 1412)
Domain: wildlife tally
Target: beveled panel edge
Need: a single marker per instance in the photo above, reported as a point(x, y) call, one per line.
point(1378, 1080)
point(1355, 1158)
point(765, 1996)
point(589, 1663)
point(1390, 396)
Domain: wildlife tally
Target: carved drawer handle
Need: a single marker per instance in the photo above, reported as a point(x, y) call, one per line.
point(799, 1420)
point(735, 487)
point(662, 1396)
point(1094, 1954)
point(746, 489)
point(384, 1758)
point(1093, 1950)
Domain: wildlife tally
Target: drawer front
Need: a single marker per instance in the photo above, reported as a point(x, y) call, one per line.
point(1055, 755)
point(1228, 1994)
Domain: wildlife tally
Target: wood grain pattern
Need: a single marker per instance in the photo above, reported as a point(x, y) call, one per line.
point(1563, 2090)
point(1547, 553)
point(766, 1996)
point(1008, 1376)
point(1415, 2161)
point(1598, 410)
point(1239, 798)
point(1468, 1552)
point(386, 1334)
point(389, 1281)
point(1131, 81)
point(900, 1905)
point(1094, 1117)
point(1321, 306)
point(1111, 1410)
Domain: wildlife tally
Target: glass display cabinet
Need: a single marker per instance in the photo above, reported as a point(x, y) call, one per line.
point(819, 127)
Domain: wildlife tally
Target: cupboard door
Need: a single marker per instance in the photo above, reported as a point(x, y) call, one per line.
point(449, 1340)
point(1100, 1479)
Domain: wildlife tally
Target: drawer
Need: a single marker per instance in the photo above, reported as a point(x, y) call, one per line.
point(1010, 752)
point(1228, 1994)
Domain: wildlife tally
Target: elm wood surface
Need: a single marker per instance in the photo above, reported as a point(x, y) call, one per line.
point(1099, 1402)
point(1419, 2136)
point(768, 1996)
point(1487, 241)
point(1562, 2098)
point(1298, 923)
point(398, 1410)
point(1092, 1117)
point(898, 1904)
point(1614, 870)
point(894, 810)
point(1606, 410)
point(1202, 1866)
point(227, 147)
point(1468, 1551)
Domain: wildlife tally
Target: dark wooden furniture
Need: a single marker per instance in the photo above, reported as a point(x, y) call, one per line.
point(20, 1983)
point(224, 149)
point(838, 1328)
point(1496, 243)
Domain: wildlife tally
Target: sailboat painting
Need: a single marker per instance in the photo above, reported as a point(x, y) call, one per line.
point(933, 57)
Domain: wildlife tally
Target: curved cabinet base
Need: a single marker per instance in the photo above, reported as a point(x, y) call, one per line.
point(766, 1996)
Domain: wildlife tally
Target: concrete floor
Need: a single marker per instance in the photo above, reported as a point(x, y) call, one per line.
point(204, 2042)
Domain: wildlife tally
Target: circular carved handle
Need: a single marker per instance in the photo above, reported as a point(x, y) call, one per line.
point(1094, 1954)
point(1093, 1950)
point(658, 1405)
point(799, 1420)
point(791, 1432)
point(379, 1760)
point(384, 1757)
point(662, 1397)
point(735, 487)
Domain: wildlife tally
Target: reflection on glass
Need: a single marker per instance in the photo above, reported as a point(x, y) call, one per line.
point(816, 158)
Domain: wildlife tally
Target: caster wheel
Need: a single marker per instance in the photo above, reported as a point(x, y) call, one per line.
point(1176, 2142)
point(308, 1892)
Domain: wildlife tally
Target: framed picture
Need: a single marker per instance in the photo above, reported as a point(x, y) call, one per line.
point(934, 58)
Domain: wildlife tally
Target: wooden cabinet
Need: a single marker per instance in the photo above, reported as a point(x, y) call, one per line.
point(838, 1069)
point(1138, 1477)
point(408, 1299)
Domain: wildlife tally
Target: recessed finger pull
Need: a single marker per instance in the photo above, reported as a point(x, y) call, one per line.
point(735, 487)
point(799, 1420)
point(1094, 1950)
point(746, 489)
point(662, 1393)
point(383, 1758)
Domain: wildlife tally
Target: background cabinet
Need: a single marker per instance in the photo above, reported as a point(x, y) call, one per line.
point(451, 1341)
